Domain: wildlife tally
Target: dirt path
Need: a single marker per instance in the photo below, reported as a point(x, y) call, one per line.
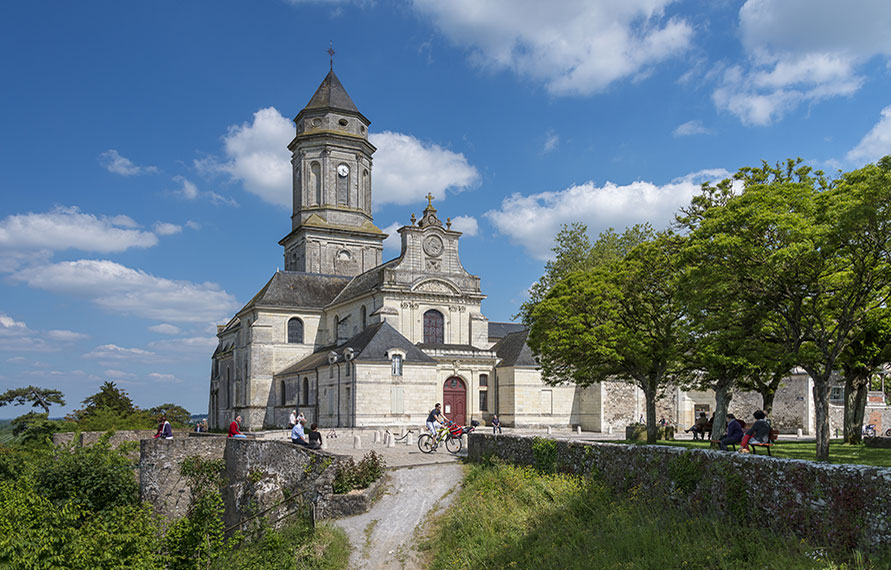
point(384, 538)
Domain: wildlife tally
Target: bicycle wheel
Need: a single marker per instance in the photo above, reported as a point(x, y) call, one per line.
point(425, 443)
point(453, 444)
point(888, 433)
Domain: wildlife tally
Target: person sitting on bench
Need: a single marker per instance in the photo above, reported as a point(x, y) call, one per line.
point(698, 428)
point(760, 432)
point(734, 433)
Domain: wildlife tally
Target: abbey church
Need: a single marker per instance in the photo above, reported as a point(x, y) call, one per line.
point(352, 341)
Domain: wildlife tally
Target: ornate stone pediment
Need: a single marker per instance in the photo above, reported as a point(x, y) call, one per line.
point(435, 286)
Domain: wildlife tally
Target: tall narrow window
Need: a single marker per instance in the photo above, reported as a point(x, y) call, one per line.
point(397, 365)
point(305, 391)
point(364, 317)
point(484, 380)
point(295, 331)
point(433, 327)
point(315, 181)
point(484, 401)
point(282, 394)
point(342, 185)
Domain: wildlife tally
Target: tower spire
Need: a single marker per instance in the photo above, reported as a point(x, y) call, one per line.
point(331, 53)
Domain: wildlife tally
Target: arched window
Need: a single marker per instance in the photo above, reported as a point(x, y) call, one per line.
point(284, 400)
point(433, 327)
point(315, 181)
point(396, 365)
point(305, 391)
point(295, 331)
point(364, 317)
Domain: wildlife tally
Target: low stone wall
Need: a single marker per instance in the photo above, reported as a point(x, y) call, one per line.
point(846, 506)
point(160, 482)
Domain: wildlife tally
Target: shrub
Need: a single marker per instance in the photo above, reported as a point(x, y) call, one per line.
point(351, 475)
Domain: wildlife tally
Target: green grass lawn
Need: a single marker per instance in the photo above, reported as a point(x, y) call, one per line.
point(515, 517)
point(838, 451)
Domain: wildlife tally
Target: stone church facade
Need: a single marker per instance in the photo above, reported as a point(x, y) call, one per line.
point(353, 342)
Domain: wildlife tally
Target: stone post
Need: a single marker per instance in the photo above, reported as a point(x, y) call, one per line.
point(357, 442)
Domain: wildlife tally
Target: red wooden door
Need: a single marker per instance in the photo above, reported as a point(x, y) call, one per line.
point(454, 400)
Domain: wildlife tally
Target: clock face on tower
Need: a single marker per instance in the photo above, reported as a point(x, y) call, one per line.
point(343, 170)
point(433, 245)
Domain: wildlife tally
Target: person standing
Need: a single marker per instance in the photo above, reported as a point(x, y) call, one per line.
point(292, 420)
point(235, 428)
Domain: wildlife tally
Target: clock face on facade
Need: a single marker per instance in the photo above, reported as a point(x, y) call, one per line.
point(433, 245)
point(343, 170)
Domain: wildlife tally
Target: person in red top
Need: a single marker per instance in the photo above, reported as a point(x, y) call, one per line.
point(234, 430)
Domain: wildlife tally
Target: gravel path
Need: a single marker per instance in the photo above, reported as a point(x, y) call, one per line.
point(385, 537)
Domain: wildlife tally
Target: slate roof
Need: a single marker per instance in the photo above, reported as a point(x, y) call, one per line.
point(513, 350)
point(364, 283)
point(370, 345)
point(501, 330)
point(294, 289)
point(331, 95)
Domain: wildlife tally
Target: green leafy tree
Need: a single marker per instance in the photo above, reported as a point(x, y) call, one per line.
point(809, 255)
point(176, 415)
point(863, 356)
point(109, 397)
point(573, 251)
point(37, 397)
point(624, 321)
point(35, 429)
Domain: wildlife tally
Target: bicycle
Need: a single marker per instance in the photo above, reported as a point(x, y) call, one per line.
point(449, 433)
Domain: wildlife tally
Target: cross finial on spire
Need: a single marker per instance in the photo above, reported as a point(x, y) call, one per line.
point(331, 53)
point(429, 197)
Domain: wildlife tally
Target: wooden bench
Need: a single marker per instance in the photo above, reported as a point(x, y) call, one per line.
point(772, 437)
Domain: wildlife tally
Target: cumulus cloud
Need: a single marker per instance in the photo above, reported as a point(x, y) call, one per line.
point(118, 374)
point(119, 289)
point(193, 225)
point(531, 220)
point(66, 228)
point(801, 51)
point(66, 336)
point(876, 143)
point(466, 225)
point(165, 378)
point(16, 336)
point(406, 169)
point(394, 240)
point(573, 47)
point(196, 345)
point(691, 128)
point(166, 228)
point(165, 328)
point(112, 161)
point(189, 191)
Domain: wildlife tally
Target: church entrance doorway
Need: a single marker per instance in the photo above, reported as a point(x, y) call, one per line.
point(454, 400)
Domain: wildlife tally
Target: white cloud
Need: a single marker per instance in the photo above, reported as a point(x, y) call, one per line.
point(189, 191)
point(467, 225)
point(691, 128)
point(8, 323)
point(165, 328)
point(551, 142)
point(573, 46)
point(119, 289)
point(258, 156)
point(165, 378)
point(118, 374)
point(193, 225)
point(16, 336)
point(16, 359)
point(192, 345)
point(801, 51)
point(876, 143)
point(166, 228)
point(394, 240)
point(66, 228)
point(112, 161)
point(66, 336)
point(532, 221)
point(109, 352)
point(406, 169)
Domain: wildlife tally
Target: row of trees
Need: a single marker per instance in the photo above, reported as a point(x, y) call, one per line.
point(775, 268)
point(109, 408)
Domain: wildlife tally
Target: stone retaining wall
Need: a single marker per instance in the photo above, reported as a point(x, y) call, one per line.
point(846, 506)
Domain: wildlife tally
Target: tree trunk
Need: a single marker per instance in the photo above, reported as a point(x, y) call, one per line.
point(821, 412)
point(767, 396)
point(856, 390)
point(722, 402)
point(650, 395)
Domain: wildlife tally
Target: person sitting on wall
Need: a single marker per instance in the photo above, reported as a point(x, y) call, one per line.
point(164, 429)
point(759, 433)
point(734, 433)
point(496, 424)
point(315, 437)
point(298, 435)
point(698, 428)
point(235, 428)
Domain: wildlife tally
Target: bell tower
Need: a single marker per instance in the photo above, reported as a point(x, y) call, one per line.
point(332, 231)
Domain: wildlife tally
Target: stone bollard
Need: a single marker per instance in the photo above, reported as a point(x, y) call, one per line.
point(357, 442)
point(324, 443)
point(799, 432)
point(410, 439)
point(609, 430)
point(549, 430)
point(578, 430)
point(377, 437)
point(391, 440)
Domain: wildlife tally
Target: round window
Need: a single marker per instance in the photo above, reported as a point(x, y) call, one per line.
point(342, 122)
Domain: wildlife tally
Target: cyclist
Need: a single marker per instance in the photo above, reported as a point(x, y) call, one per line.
point(435, 419)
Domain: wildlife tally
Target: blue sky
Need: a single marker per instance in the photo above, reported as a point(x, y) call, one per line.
point(144, 175)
